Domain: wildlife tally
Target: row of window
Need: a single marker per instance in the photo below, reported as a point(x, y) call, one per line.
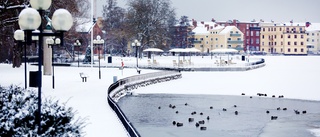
point(289, 43)
point(280, 29)
point(288, 50)
point(281, 36)
point(257, 41)
point(252, 32)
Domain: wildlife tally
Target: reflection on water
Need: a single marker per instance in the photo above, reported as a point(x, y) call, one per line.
point(152, 116)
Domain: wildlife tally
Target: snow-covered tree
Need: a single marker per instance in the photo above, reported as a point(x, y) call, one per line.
point(18, 111)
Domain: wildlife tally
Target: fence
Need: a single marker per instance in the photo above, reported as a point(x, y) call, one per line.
point(119, 89)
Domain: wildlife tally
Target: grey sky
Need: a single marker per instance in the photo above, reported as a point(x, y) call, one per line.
point(245, 10)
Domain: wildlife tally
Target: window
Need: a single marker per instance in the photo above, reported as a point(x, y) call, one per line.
point(289, 36)
point(295, 36)
point(289, 50)
point(288, 43)
point(247, 33)
point(275, 43)
point(281, 50)
point(231, 32)
point(211, 39)
point(281, 36)
point(229, 38)
point(302, 36)
point(301, 43)
point(251, 41)
point(216, 39)
point(262, 43)
point(312, 40)
point(263, 29)
point(207, 36)
point(302, 50)
point(207, 42)
point(237, 32)
point(239, 39)
point(262, 49)
point(257, 41)
point(312, 34)
point(251, 33)
point(221, 46)
point(248, 41)
point(307, 39)
point(295, 43)
point(275, 36)
point(281, 43)
point(229, 46)
point(275, 29)
point(216, 46)
point(201, 38)
point(295, 50)
point(281, 30)
point(262, 36)
point(257, 33)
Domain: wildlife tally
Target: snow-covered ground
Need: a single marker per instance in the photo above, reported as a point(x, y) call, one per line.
point(291, 76)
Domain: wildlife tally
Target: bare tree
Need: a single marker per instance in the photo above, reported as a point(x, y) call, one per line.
point(9, 12)
point(114, 26)
point(150, 21)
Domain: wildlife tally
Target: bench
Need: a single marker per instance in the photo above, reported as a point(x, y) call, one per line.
point(83, 77)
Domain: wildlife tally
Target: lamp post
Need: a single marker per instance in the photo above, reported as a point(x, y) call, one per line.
point(51, 43)
point(29, 20)
point(77, 44)
point(98, 42)
point(19, 36)
point(136, 44)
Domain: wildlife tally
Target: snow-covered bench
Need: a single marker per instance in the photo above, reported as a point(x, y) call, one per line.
point(83, 77)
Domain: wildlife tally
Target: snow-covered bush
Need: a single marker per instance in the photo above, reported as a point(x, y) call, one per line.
point(18, 111)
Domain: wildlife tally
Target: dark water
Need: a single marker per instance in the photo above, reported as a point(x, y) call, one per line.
point(252, 120)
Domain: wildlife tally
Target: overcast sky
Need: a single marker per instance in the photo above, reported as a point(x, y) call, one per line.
point(245, 10)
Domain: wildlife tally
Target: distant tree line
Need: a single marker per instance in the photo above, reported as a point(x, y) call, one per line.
point(148, 21)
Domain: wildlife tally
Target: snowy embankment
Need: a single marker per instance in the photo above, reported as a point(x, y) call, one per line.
point(291, 76)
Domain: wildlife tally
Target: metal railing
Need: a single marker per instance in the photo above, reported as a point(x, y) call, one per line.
point(118, 88)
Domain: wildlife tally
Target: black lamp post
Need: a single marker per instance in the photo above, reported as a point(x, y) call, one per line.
point(136, 44)
point(19, 36)
point(30, 20)
point(51, 43)
point(98, 42)
point(77, 44)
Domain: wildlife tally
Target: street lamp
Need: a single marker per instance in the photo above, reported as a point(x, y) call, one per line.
point(19, 36)
point(136, 44)
point(98, 42)
point(29, 20)
point(77, 44)
point(51, 43)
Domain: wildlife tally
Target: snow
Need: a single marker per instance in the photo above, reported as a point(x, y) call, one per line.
point(291, 76)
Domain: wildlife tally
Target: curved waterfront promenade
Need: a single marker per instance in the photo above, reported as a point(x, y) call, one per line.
point(121, 87)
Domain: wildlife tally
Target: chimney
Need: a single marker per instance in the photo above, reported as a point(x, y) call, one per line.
point(213, 20)
point(202, 22)
point(215, 25)
point(308, 24)
point(207, 26)
point(194, 23)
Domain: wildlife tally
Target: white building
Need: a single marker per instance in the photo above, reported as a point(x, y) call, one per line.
point(313, 38)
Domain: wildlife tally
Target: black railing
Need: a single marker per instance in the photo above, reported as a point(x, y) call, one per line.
point(120, 85)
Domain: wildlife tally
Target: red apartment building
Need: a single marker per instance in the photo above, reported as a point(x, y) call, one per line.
point(250, 30)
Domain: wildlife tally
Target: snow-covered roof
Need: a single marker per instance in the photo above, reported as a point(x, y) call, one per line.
point(313, 27)
point(84, 24)
point(200, 30)
point(227, 29)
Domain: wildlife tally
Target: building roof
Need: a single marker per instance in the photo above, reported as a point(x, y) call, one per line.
point(200, 30)
point(313, 27)
point(227, 29)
